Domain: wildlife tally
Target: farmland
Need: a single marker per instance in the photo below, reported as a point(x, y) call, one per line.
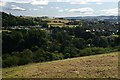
point(98, 66)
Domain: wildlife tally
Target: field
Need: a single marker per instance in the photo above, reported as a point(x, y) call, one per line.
point(97, 66)
point(58, 22)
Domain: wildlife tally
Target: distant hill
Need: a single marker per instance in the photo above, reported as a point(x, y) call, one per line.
point(9, 20)
point(98, 66)
point(94, 17)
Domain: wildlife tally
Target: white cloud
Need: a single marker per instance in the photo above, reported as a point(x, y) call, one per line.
point(108, 12)
point(99, 3)
point(45, 1)
point(33, 9)
point(66, 9)
point(2, 3)
point(33, 2)
point(18, 1)
point(94, 0)
point(86, 11)
point(83, 1)
point(80, 2)
point(36, 9)
point(57, 7)
point(59, 0)
point(61, 10)
point(41, 7)
point(13, 7)
point(52, 7)
point(39, 2)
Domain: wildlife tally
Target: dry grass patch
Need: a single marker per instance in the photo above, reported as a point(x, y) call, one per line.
point(98, 66)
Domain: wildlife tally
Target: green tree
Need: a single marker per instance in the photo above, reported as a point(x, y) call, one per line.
point(78, 43)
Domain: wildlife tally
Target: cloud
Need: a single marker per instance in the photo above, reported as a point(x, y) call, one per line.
point(13, 7)
point(46, 1)
point(36, 9)
point(81, 2)
point(94, 0)
point(59, 0)
point(83, 10)
point(18, 1)
point(61, 10)
point(66, 9)
point(33, 9)
point(33, 2)
point(108, 12)
point(41, 7)
point(57, 7)
point(39, 2)
point(2, 3)
point(99, 3)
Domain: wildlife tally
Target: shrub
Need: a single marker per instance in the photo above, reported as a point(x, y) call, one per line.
point(24, 60)
point(54, 56)
point(94, 51)
point(85, 52)
point(72, 51)
point(27, 54)
point(35, 48)
point(38, 56)
point(11, 61)
point(66, 55)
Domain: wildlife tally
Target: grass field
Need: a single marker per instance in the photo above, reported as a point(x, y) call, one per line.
point(97, 66)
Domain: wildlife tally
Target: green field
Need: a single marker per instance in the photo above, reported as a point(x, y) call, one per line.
point(97, 66)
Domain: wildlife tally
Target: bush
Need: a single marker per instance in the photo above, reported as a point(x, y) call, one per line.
point(85, 52)
point(27, 54)
point(66, 55)
point(24, 60)
point(78, 43)
point(10, 61)
point(54, 56)
point(38, 56)
point(71, 51)
point(35, 48)
point(94, 51)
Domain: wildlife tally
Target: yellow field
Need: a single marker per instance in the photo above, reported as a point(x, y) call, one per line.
point(97, 66)
point(4, 31)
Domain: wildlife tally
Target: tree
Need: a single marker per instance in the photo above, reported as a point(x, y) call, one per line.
point(100, 42)
point(103, 42)
point(54, 46)
point(35, 48)
point(26, 57)
point(44, 25)
point(39, 56)
point(78, 43)
point(72, 51)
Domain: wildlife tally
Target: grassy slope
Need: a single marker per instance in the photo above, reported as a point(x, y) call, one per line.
point(98, 66)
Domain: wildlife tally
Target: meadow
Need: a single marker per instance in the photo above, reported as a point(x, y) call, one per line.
point(96, 66)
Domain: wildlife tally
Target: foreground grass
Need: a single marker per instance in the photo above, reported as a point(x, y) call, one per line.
point(98, 66)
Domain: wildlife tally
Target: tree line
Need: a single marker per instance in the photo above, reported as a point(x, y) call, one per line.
point(9, 20)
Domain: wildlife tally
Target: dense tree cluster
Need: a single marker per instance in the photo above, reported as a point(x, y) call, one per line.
point(8, 20)
point(35, 45)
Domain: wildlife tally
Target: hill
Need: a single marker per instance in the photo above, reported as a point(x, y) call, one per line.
point(9, 20)
point(98, 66)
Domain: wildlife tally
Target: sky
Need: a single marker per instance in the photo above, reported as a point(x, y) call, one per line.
point(60, 8)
